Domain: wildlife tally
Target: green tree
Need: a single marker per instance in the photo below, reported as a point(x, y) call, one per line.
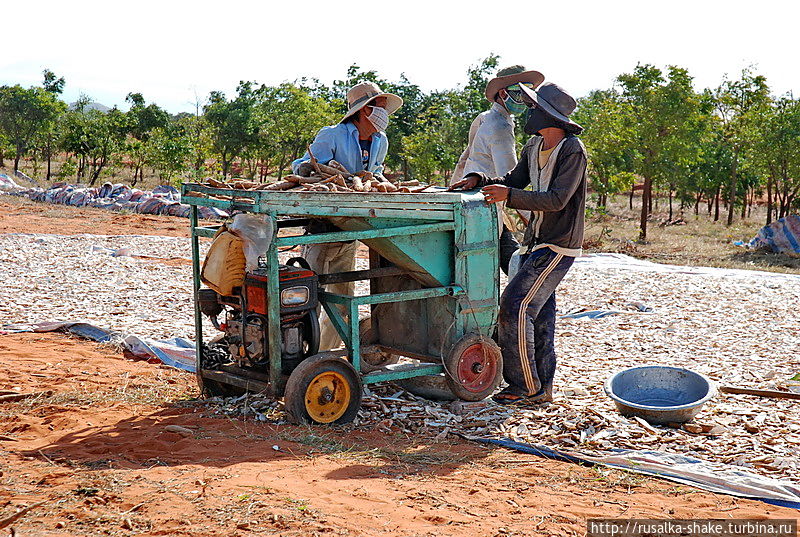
point(105, 138)
point(740, 104)
point(142, 120)
point(608, 133)
point(288, 117)
point(433, 148)
point(776, 153)
point(51, 83)
point(25, 114)
point(168, 150)
point(231, 124)
point(665, 114)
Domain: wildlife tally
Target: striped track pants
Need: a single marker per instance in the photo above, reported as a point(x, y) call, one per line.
point(527, 321)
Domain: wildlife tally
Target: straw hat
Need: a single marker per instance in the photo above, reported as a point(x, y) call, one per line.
point(509, 76)
point(364, 93)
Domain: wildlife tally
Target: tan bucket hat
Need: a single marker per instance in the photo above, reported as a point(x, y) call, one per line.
point(364, 93)
point(516, 74)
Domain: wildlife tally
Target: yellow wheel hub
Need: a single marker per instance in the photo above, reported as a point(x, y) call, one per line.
point(327, 397)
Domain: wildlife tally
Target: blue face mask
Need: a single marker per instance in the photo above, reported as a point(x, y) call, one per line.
point(514, 107)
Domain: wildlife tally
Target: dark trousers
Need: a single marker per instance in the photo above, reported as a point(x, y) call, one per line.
point(508, 245)
point(527, 322)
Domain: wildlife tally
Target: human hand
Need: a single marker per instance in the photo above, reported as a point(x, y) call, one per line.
point(495, 193)
point(467, 183)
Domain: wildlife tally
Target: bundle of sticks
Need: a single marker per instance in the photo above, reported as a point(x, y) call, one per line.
point(331, 177)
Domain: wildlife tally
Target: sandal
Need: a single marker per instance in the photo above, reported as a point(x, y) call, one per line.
point(507, 396)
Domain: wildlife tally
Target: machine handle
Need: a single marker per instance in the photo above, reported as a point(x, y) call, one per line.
point(300, 262)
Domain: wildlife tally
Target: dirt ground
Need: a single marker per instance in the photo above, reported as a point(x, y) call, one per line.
point(20, 215)
point(94, 447)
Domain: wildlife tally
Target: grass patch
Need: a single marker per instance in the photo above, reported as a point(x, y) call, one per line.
point(698, 241)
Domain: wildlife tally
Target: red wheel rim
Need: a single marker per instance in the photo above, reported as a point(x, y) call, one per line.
point(477, 367)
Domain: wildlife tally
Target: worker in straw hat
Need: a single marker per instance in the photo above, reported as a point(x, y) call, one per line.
point(359, 143)
point(553, 163)
point(491, 147)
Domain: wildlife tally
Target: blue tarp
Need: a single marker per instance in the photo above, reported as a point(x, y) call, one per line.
point(175, 352)
point(163, 200)
point(713, 477)
point(782, 236)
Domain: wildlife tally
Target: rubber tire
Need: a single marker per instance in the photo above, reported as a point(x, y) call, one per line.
point(301, 377)
point(451, 365)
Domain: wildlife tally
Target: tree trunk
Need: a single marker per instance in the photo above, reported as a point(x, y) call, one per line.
point(646, 201)
point(732, 188)
point(630, 200)
point(670, 205)
point(717, 195)
point(49, 160)
point(769, 200)
point(744, 204)
point(16, 162)
point(697, 203)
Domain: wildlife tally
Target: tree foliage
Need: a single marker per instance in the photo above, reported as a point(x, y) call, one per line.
point(719, 149)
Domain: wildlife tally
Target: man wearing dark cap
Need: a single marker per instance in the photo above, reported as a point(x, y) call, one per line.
point(553, 163)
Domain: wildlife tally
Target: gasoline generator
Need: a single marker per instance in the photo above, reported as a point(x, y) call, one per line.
point(242, 319)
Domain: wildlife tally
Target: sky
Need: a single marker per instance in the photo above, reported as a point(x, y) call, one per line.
point(175, 52)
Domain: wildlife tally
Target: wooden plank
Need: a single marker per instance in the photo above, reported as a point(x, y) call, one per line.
point(250, 385)
point(358, 275)
point(772, 394)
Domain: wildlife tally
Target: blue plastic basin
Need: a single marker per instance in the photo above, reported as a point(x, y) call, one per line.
point(659, 394)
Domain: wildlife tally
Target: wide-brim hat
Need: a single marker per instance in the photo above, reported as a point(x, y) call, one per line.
point(555, 102)
point(364, 93)
point(510, 76)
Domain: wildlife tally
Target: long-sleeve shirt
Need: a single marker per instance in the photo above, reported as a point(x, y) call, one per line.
point(557, 199)
point(491, 148)
point(340, 143)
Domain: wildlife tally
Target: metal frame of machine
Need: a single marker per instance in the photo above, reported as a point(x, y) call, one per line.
point(433, 279)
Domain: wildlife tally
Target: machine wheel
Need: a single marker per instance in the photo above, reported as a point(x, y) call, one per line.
point(377, 360)
point(474, 367)
point(323, 389)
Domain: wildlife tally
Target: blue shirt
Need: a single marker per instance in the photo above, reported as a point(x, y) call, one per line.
point(340, 143)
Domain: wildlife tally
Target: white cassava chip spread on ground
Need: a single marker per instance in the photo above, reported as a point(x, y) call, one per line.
point(739, 328)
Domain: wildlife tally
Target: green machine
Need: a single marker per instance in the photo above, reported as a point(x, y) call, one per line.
point(433, 294)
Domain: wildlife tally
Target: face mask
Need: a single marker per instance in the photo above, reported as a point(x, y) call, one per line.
point(379, 117)
point(538, 120)
point(514, 107)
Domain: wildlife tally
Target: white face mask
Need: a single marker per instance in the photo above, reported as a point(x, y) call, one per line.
point(379, 117)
